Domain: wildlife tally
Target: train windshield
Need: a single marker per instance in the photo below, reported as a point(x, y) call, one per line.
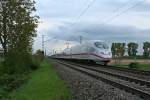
point(101, 45)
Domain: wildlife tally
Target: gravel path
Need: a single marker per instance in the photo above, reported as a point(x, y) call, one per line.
point(84, 87)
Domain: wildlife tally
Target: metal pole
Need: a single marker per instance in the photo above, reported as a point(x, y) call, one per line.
point(80, 39)
point(42, 42)
point(45, 52)
point(67, 44)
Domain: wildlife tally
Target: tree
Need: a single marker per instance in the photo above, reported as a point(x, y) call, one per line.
point(18, 27)
point(118, 49)
point(146, 47)
point(39, 55)
point(132, 49)
point(3, 24)
point(113, 50)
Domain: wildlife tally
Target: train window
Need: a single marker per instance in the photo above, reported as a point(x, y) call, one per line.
point(101, 45)
point(84, 49)
point(91, 49)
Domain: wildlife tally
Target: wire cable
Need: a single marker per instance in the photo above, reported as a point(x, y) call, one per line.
point(123, 5)
point(122, 12)
point(84, 11)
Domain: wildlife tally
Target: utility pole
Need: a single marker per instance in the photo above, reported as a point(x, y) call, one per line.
point(67, 44)
point(43, 42)
point(53, 51)
point(81, 38)
point(45, 53)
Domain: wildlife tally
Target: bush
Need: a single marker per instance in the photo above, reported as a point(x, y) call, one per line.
point(11, 82)
point(37, 58)
point(2, 68)
point(8, 83)
point(14, 72)
point(35, 64)
point(39, 55)
point(133, 65)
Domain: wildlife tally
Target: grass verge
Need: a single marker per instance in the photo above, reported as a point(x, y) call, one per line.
point(145, 67)
point(43, 85)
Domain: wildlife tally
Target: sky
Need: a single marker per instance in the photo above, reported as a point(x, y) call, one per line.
point(64, 21)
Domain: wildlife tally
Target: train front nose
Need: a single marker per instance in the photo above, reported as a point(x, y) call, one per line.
point(106, 54)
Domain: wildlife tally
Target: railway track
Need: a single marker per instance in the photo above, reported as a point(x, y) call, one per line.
point(135, 71)
point(124, 71)
point(130, 84)
point(106, 71)
point(140, 75)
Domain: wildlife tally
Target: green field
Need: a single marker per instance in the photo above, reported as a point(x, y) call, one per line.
point(43, 85)
point(145, 67)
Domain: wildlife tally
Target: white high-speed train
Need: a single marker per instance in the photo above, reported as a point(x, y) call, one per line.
point(94, 50)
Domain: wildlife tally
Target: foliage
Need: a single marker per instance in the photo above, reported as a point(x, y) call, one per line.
point(18, 27)
point(118, 49)
point(10, 82)
point(146, 48)
point(132, 49)
point(133, 65)
point(137, 57)
point(35, 64)
point(113, 50)
point(19, 63)
point(38, 57)
point(16, 23)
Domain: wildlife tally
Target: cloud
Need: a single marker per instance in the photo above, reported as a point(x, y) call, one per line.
point(57, 17)
point(103, 32)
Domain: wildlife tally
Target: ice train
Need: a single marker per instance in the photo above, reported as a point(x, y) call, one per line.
point(94, 50)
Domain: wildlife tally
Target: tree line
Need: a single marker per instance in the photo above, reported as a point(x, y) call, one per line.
point(119, 49)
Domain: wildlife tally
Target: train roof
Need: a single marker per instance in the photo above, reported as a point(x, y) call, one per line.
point(96, 41)
point(89, 42)
point(92, 41)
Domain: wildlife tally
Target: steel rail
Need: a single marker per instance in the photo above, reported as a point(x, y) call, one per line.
point(129, 78)
point(144, 94)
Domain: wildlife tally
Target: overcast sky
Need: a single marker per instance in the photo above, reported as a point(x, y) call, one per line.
point(108, 20)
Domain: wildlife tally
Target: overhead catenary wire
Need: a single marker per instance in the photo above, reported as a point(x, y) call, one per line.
point(122, 12)
point(84, 11)
point(88, 4)
point(125, 5)
point(91, 3)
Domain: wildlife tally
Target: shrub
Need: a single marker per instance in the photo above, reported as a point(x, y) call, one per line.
point(133, 65)
point(37, 58)
point(8, 83)
point(11, 82)
point(35, 64)
point(2, 71)
point(39, 55)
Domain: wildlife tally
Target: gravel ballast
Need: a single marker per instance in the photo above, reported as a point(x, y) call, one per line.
point(84, 87)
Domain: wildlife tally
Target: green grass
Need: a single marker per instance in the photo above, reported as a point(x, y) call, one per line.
point(43, 85)
point(145, 67)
